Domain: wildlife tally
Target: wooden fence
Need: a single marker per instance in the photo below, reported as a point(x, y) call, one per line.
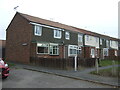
point(61, 63)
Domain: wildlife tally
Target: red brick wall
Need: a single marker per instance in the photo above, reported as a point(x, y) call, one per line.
point(111, 52)
point(18, 32)
point(112, 55)
point(87, 52)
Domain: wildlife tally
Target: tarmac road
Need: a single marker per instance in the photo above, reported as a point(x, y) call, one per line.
point(21, 78)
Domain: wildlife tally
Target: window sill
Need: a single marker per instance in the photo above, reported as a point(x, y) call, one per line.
point(42, 53)
point(57, 37)
point(54, 55)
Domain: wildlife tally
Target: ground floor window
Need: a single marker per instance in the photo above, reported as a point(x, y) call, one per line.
point(105, 52)
point(73, 50)
point(42, 48)
point(54, 49)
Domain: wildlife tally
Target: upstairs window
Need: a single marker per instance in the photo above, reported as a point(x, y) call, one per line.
point(54, 49)
point(38, 30)
point(80, 38)
point(100, 41)
point(116, 44)
point(67, 35)
point(87, 37)
point(57, 33)
point(107, 43)
point(96, 39)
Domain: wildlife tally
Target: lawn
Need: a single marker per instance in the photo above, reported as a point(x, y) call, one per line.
point(108, 62)
point(108, 72)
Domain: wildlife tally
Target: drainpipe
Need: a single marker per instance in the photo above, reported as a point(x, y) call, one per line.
point(75, 61)
point(84, 44)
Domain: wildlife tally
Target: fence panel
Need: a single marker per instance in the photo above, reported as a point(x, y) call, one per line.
point(61, 63)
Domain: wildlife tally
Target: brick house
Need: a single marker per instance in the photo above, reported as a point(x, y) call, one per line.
point(29, 36)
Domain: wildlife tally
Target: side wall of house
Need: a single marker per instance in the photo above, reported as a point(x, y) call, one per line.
point(18, 40)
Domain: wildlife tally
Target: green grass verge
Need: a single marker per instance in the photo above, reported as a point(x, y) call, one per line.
point(108, 72)
point(108, 62)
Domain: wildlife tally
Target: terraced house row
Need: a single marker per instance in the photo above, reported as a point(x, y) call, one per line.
point(29, 36)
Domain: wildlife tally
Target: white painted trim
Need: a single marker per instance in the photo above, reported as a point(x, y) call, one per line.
point(67, 38)
point(46, 26)
point(54, 44)
point(40, 46)
point(59, 37)
point(72, 48)
point(40, 28)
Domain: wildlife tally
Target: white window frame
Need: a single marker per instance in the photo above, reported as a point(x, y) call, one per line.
point(93, 52)
point(87, 38)
point(80, 38)
point(57, 32)
point(42, 45)
point(96, 39)
point(67, 35)
point(100, 41)
point(107, 43)
point(51, 49)
point(72, 47)
point(79, 50)
point(105, 52)
point(37, 30)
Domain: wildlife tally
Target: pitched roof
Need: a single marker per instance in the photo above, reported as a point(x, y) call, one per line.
point(63, 26)
point(48, 22)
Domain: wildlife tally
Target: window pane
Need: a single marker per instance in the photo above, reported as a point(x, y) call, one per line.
point(57, 34)
point(100, 41)
point(87, 38)
point(38, 30)
point(79, 38)
point(54, 50)
point(67, 35)
point(42, 48)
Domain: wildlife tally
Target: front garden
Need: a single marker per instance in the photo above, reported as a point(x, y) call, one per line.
point(114, 71)
point(109, 62)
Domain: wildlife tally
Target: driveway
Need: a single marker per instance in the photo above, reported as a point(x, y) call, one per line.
point(22, 78)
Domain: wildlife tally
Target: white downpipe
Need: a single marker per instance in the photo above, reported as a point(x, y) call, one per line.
point(75, 63)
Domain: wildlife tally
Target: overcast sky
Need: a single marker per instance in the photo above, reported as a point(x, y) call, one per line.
point(99, 16)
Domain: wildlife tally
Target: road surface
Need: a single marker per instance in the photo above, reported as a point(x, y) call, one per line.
point(21, 78)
